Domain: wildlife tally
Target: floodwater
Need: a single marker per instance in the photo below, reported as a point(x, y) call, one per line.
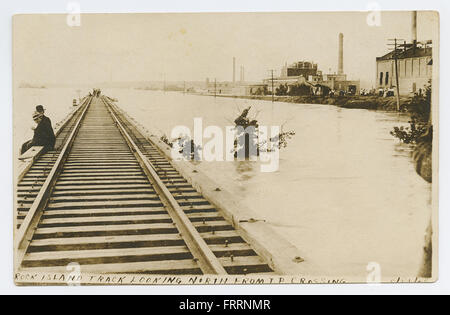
point(345, 194)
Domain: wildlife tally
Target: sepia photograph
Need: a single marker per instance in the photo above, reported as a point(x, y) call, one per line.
point(214, 148)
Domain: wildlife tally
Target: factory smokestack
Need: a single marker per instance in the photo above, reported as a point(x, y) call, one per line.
point(341, 54)
point(241, 78)
point(234, 69)
point(414, 27)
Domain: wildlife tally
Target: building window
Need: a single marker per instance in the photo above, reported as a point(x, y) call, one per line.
point(381, 78)
point(387, 78)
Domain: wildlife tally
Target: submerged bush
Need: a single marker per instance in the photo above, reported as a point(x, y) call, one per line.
point(410, 134)
point(420, 129)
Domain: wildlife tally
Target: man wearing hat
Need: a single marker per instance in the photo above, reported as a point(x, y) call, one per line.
point(43, 133)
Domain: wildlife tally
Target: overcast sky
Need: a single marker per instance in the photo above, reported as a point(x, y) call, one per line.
point(142, 47)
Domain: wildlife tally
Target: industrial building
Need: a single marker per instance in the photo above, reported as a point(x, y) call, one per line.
point(302, 68)
point(414, 65)
point(306, 72)
point(295, 74)
point(226, 87)
point(414, 69)
point(233, 87)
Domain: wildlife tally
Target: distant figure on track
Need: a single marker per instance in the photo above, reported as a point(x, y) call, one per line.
point(43, 132)
point(97, 92)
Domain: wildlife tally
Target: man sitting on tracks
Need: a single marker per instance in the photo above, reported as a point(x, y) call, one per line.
point(43, 132)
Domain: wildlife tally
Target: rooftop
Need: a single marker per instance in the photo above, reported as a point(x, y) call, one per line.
point(408, 53)
point(302, 65)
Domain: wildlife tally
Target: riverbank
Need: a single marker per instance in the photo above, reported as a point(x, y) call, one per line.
point(355, 102)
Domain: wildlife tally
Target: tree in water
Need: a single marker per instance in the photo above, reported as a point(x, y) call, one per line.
point(247, 144)
point(185, 146)
point(188, 149)
point(420, 129)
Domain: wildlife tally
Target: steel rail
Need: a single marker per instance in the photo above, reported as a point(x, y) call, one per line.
point(206, 259)
point(61, 127)
point(26, 230)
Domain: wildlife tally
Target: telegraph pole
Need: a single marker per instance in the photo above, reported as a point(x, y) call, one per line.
point(396, 75)
point(272, 86)
point(396, 70)
point(215, 87)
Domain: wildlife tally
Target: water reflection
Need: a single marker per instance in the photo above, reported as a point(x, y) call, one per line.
point(403, 150)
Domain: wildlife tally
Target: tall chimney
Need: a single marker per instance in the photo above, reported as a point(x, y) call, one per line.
point(234, 69)
point(341, 54)
point(414, 28)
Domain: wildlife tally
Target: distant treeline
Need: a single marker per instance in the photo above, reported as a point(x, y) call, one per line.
point(167, 88)
point(31, 86)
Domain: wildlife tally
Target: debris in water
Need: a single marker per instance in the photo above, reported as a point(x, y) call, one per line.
point(298, 259)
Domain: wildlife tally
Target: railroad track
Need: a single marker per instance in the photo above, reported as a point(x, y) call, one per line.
point(113, 203)
point(30, 184)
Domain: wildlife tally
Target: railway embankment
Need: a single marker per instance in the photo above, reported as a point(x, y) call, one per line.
point(113, 203)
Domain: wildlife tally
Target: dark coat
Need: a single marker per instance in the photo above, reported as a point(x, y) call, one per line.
point(44, 135)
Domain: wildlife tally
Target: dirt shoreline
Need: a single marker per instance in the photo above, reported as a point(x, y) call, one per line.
point(354, 102)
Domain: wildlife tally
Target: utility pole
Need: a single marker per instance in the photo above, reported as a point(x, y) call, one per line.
point(215, 87)
point(184, 87)
point(396, 75)
point(396, 70)
point(273, 100)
